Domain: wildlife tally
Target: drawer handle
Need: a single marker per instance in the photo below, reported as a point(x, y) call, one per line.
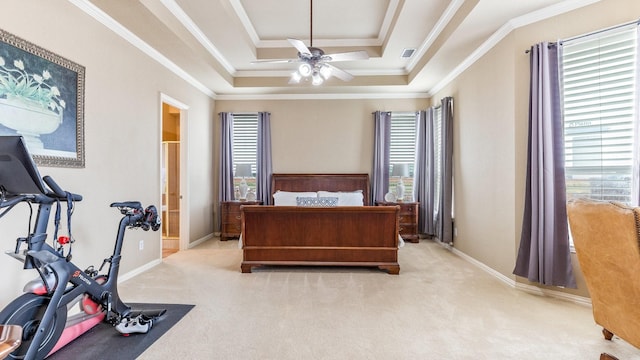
point(239, 217)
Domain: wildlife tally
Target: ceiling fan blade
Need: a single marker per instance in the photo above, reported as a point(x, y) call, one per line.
point(339, 73)
point(275, 61)
point(348, 56)
point(300, 46)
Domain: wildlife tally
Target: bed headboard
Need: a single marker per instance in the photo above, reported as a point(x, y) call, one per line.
point(318, 182)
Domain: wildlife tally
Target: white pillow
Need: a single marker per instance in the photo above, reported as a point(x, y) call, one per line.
point(288, 198)
point(317, 201)
point(345, 198)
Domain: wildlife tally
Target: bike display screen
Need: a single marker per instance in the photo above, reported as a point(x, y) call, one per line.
point(18, 172)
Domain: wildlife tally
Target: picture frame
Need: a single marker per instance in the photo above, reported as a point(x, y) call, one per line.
point(42, 99)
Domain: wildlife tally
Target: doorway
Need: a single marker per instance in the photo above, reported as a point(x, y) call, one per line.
point(171, 195)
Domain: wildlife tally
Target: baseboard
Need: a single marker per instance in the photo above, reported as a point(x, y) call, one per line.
point(128, 275)
point(201, 240)
point(149, 265)
point(532, 289)
point(482, 266)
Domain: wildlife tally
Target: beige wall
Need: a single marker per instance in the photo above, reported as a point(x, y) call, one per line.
point(484, 162)
point(490, 135)
point(322, 136)
point(122, 137)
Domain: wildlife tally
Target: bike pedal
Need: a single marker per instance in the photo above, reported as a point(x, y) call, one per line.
point(138, 325)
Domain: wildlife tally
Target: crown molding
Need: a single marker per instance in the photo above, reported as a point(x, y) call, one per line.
point(506, 29)
point(119, 29)
point(324, 96)
point(195, 31)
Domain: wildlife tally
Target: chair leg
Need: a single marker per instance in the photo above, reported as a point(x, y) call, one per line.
point(605, 356)
point(607, 334)
point(10, 339)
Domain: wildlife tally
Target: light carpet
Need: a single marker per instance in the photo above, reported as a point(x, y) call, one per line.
point(439, 307)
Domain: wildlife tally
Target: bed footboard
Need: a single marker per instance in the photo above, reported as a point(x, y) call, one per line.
point(335, 236)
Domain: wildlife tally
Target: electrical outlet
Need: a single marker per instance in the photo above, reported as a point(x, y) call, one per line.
point(141, 245)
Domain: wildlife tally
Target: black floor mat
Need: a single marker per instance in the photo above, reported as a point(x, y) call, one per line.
point(104, 342)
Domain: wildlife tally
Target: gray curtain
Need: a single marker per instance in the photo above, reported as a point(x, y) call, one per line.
point(225, 185)
point(226, 157)
point(264, 168)
point(444, 223)
point(544, 255)
point(424, 181)
point(382, 133)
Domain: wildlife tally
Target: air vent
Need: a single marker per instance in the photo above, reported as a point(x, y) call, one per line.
point(407, 53)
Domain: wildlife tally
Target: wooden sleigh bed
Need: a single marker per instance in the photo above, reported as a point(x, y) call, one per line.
point(334, 236)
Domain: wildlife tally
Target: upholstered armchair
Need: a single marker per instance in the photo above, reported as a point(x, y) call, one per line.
point(10, 339)
point(606, 236)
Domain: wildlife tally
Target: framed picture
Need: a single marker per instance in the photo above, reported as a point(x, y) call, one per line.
point(42, 99)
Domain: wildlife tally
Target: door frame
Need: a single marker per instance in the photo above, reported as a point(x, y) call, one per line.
point(184, 167)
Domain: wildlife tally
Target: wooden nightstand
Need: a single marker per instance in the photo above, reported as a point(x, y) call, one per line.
point(408, 219)
point(231, 218)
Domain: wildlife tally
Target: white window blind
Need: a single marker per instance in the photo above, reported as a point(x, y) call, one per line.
point(599, 82)
point(437, 157)
point(402, 146)
point(245, 140)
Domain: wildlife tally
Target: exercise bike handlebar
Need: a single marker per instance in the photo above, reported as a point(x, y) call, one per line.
point(57, 190)
point(137, 216)
point(55, 193)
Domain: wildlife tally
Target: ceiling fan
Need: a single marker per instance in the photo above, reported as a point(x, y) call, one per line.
point(314, 63)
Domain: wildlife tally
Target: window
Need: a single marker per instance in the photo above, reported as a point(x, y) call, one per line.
point(402, 149)
point(245, 145)
point(598, 79)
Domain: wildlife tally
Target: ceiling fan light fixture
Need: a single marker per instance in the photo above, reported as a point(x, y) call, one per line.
point(314, 63)
point(296, 77)
point(317, 79)
point(304, 69)
point(325, 71)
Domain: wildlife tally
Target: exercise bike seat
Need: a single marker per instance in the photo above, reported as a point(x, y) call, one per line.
point(10, 339)
point(127, 204)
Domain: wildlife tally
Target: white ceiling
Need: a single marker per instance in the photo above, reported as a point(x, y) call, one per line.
point(212, 43)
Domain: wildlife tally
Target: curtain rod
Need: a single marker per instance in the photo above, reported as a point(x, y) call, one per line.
point(551, 44)
point(415, 112)
point(244, 112)
point(636, 22)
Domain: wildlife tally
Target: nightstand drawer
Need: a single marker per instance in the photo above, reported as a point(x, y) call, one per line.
point(407, 218)
point(231, 218)
point(408, 209)
point(231, 228)
point(408, 229)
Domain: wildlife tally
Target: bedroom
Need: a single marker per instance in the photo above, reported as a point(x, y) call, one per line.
point(122, 105)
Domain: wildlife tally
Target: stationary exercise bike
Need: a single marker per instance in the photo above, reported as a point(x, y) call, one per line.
point(42, 311)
